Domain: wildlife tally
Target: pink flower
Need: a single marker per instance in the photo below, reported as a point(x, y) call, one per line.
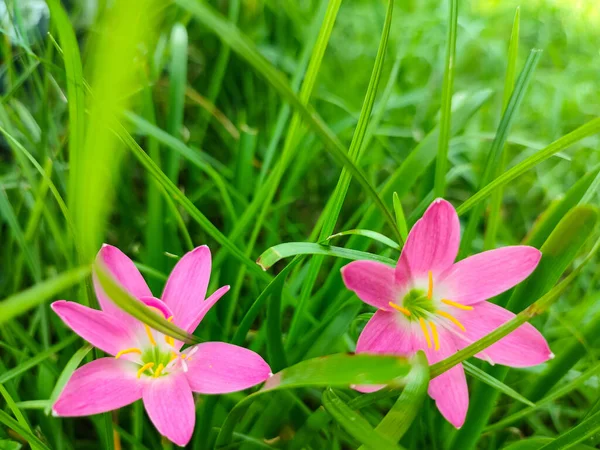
point(428, 302)
point(147, 364)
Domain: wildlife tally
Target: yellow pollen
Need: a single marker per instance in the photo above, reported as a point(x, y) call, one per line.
point(425, 331)
point(436, 339)
point(183, 356)
point(170, 319)
point(159, 369)
point(149, 333)
point(403, 310)
point(451, 318)
point(145, 367)
point(456, 305)
point(430, 287)
point(128, 350)
point(175, 356)
point(169, 340)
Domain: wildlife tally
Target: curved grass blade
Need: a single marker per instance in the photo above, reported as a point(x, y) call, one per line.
point(366, 233)
point(495, 153)
point(588, 129)
point(335, 370)
point(537, 443)
point(20, 429)
point(278, 252)
point(509, 84)
point(586, 429)
point(441, 166)
point(22, 302)
point(70, 367)
point(356, 425)
point(239, 43)
point(399, 418)
point(486, 378)
point(400, 217)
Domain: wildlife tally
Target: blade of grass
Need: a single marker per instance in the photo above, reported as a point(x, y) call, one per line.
point(368, 234)
point(446, 107)
point(509, 83)
point(498, 144)
point(23, 431)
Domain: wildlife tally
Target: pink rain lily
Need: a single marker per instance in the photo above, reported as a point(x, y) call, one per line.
point(428, 302)
point(149, 365)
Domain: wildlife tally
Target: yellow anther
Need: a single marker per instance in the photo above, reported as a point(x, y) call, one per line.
point(436, 339)
point(183, 356)
point(170, 319)
point(430, 287)
point(128, 350)
point(425, 331)
point(175, 356)
point(149, 333)
point(403, 310)
point(456, 305)
point(451, 318)
point(145, 367)
point(159, 369)
point(169, 340)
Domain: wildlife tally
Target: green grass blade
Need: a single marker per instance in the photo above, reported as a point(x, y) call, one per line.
point(374, 235)
point(278, 252)
point(356, 425)
point(586, 429)
point(400, 218)
point(23, 431)
point(446, 107)
point(239, 43)
point(509, 83)
point(495, 153)
point(486, 378)
point(22, 302)
point(588, 129)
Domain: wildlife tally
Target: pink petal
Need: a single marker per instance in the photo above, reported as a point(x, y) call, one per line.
point(220, 368)
point(158, 305)
point(490, 273)
point(125, 272)
point(205, 307)
point(432, 243)
point(186, 287)
point(449, 390)
point(97, 327)
point(523, 347)
point(102, 385)
point(170, 405)
point(373, 282)
point(386, 333)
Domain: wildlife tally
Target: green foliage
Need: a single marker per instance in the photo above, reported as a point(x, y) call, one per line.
point(317, 131)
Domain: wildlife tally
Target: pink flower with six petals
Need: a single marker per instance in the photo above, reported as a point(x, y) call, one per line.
point(428, 302)
point(149, 365)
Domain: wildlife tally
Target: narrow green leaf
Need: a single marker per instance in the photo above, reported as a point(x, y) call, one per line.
point(356, 425)
point(240, 44)
point(278, 252)
point(366, 233)
point(446, 107)
point(19, 303)
point(588, 129)
point(70, 367)
point(400, 218)
point(486, 378)
point(334, 370)
point(495, 153)
point(20, 429)
point(586, 429)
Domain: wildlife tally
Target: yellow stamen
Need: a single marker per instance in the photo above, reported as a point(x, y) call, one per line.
point(175, 356)
point(451, 318)
point(425, 331)
point(169, 340)
point(183, 356)
point(159, 369)
point(436, 339)
point(170, 319)
point(403, 310)
point(456, 305)
point(128, 350)
point(149, 333)
point(145, 367)
point(430, 287)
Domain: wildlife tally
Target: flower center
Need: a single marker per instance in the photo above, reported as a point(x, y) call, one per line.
point(418, 306)
point(157, 360)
